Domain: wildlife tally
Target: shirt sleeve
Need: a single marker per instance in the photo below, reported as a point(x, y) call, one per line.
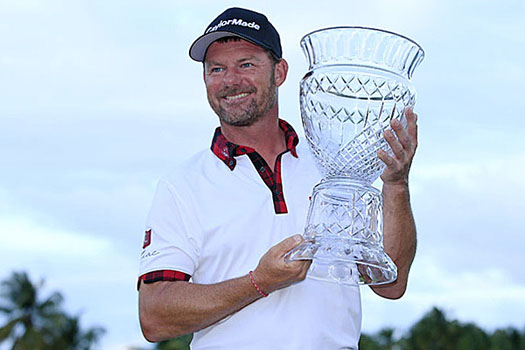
point(169, 242)
point(163, 275)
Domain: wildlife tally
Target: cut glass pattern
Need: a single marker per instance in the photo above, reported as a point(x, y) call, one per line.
point(358, 82)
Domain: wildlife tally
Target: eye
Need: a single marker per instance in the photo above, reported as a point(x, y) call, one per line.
point(216, 69)
point(246, 65)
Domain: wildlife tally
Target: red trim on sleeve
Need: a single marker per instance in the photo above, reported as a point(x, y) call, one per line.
point(163, 275)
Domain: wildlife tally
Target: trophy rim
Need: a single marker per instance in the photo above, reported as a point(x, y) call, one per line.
point(367, 28)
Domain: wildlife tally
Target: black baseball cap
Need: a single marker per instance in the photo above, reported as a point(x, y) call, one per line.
point(246, 24)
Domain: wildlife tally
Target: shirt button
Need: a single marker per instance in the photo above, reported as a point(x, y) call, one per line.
point(243, 150)
point(278, 193)
point(230, 163)
point(261, 170)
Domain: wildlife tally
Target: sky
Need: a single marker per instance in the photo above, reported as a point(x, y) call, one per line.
point(99, 99)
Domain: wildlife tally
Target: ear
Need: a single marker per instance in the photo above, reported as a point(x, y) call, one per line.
point(281, 70)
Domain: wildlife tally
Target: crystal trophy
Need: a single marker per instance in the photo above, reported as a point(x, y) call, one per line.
point(358, 81)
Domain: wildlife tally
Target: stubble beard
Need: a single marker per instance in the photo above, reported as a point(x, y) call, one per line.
point(250, 114)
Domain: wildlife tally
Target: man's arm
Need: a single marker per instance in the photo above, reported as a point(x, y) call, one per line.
point(399, 228)
point(171, 309)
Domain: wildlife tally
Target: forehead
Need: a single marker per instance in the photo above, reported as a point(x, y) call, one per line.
point(233, 49)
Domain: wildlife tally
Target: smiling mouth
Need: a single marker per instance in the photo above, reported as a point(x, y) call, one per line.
point(236, 97)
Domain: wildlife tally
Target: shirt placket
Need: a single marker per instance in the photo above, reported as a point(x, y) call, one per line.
point(272, 179)
point(227, 151)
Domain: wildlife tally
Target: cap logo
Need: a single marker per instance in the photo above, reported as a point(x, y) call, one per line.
point(233, 22)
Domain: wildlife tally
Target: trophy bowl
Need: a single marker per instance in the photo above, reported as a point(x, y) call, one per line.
point(358, 81)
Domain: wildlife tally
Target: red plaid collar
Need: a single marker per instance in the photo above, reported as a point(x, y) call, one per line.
point(227, 151)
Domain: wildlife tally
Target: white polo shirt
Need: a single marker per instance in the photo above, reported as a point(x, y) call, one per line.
point(214, 224)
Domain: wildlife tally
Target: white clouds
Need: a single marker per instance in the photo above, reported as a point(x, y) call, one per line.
point(487, 172)
point(23, 237)
point(84, 59)
point(98, 214)
point(469, 214)
point(458, 286)
point(22, 6)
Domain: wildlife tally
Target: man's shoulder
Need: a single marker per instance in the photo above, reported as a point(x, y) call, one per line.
point(189, 167)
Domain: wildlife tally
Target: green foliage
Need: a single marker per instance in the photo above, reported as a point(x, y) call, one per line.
point(369, 342)
point(432, 332)
point(36, 324)
point(435, 332)
point(180, 343)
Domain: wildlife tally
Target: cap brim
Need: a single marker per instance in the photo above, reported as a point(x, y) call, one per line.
point(200, 46)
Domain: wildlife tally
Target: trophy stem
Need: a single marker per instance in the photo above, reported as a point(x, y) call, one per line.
point(344, 234)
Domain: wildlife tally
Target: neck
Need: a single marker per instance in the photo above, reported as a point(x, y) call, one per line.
point(265, 136)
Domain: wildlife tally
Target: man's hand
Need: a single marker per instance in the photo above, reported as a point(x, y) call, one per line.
point(170, 309)
point(403, 146)
point(274, 273)
point(399, 228)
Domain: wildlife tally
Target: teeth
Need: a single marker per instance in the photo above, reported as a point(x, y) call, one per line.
point(235, 97)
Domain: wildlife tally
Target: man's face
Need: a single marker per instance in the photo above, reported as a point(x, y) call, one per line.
point(240, 82)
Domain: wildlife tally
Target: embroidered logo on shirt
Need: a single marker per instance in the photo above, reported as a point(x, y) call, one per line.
point(147, 238)
point(145, 254)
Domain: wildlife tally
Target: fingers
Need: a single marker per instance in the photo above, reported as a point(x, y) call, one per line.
point(305, 267)
point(288, 244)
point(400, 143)
point(273, 272)
point(403, 142)
point(405, 139)
point(412, 126)
point(385, 158)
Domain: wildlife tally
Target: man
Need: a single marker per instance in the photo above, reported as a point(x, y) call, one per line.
point(227, 217)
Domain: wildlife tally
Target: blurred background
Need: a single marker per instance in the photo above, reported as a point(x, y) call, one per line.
point(99, 99)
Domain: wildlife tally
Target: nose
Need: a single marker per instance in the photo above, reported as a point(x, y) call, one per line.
point(231, 77)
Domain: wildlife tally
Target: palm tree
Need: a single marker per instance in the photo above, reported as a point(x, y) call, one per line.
point(71, 335)
point(36, 324)
point(180, 343)
point(386, 338)
point(30, 320)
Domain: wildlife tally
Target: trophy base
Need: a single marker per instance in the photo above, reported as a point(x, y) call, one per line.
point(359, 263)
point(343, 234)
